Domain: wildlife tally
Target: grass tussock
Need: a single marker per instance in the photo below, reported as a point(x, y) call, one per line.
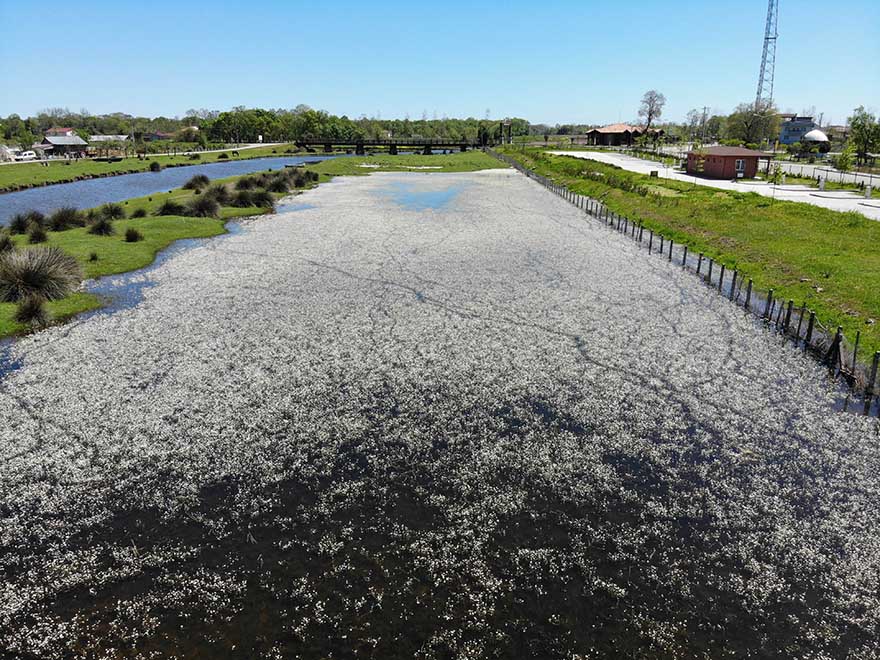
point(103, 226)
point(132, 235)
point(197, 182)
point(48, 273)
point(203, 207)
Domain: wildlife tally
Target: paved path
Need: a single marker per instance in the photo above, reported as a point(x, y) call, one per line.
point(834, 200)
point(430, 415)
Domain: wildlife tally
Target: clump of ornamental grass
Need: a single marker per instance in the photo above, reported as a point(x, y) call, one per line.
point(103, 226)
point(48, 273)
point(243, 199)
point(299, 180)
point(37, 235)
point(155, 167)
point(197, 182)
point(263, 199)
point(18, 224)
point(6, 242)
point(32, 311)
point(93, 256)
point(246, 183)
point(113, 211)
point(223, 156)
point(278, 185)
point(218, 192)
point(65, 218)
point(170, 207)
point(203, 207)
point(132, 235)
point(36, 218)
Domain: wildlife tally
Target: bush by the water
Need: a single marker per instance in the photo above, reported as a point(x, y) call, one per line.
point(6, 242)
point(139, 213)
point(93, 256)
point(218, 192)
point(37, 235)
point(18, 224)
point(243, 199)
point(223, 156)
point(65, 218)
point(195, 156)
point(263, 199)
point(46, 272)
point(32, 310)
point(132, 235)
point(203, 207)
point(103, 226)
point(246, 183)
point(155, 166)
point(170, 207)
point(113, 211)
point(278, 185)
point(197, 182)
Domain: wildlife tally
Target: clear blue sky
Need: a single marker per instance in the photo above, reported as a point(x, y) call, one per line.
point(555, 61)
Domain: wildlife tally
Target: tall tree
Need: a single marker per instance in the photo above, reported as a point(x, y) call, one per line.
point(652, 107)
point(753, 124)
point(864, 132)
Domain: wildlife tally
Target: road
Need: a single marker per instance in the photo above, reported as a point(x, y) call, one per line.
point(437, 416)
point(163, 153)
point(836, 200)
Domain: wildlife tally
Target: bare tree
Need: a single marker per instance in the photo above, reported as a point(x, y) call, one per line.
point(652, 107)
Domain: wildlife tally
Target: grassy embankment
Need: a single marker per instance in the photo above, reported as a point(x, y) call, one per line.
point(115, 255)
point(19, 176)
point(825, 258)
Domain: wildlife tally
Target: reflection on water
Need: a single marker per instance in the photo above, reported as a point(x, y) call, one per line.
point(94, 192)
point(416, 196)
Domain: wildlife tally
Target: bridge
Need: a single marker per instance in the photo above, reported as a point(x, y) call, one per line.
point(425, 144)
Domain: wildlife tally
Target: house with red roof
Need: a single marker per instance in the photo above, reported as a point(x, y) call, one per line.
point(615, 135)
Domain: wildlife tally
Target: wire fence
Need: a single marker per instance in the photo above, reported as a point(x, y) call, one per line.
point(795, 323)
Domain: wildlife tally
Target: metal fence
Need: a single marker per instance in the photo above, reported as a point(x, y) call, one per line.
point(795, 323)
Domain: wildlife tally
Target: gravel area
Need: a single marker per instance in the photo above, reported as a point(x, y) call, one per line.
point(468, 427)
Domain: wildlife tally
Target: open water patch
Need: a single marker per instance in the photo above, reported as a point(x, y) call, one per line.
point(417, 197)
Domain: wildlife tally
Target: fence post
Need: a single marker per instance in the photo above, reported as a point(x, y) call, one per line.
point(872, 381)
point(856, 352)
point(709, 276)
point(651, 242)
point(832, 357)
point(800, 322)
point(662, 240)
point(787, 316)
point(699, 263)
point(769, 301)
point(749, 295)
point(733, 284)
point(684, 257)
point(721, 279)
point(641, 229)
point(809, 336)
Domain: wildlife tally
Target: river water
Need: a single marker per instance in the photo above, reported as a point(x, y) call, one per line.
point(94, 192)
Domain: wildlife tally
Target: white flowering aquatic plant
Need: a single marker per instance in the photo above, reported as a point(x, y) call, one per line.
point(490, 429)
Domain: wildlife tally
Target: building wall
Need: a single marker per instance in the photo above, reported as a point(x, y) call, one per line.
point(723, 167)
point(793, 130)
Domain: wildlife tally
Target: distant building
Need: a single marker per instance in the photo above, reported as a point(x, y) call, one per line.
point(60, 132)
point(107, 138)
point(725, 162)
point(793, 128)
point(613, 135)
point(158, 135)
point(63, 145)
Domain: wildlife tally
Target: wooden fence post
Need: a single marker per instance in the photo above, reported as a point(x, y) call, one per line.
point(684, 257)
point(787, 316)
point(809, 336)
point(651, 242)
point(769, 301)
point(699, 263)
point(709, 276)
point(855, 352)
point(721, 279)
point(872, 381)
point(800, 321)
point(733, 284)
point(749, 295)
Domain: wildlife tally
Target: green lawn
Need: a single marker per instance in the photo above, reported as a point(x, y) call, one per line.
point(26, 175)
point(828, 259)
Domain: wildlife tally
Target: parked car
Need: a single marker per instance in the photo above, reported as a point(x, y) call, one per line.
point(26, 155)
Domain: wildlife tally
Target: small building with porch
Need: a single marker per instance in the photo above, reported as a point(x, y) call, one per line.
point(614, 135)
point(63, 145)
point(725, 162)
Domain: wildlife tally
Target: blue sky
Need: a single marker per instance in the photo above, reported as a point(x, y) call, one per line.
point(552, 61)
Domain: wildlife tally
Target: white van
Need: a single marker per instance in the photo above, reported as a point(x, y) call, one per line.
point(26, 155)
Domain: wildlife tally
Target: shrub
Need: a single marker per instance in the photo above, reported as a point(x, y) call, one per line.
point(195, 156)
point(155, 167)
point(132, 235)
point(243, 199)
point(246, 183)
point(48, 273)
point(19, 224)
point(263, 199)
point(223, 156)
point(299, 180)
point(113, 211)
point(37, 235)
point(139, 213)
point(32, 310)
point(203, 207)
point(197, 182)
point(278, 185)
point(103, 226)
point(218, 192)
point(6, 243)
point(312, 175)
point(65, 218)
point(93, 256)
point(36, 218)
point(170, 207)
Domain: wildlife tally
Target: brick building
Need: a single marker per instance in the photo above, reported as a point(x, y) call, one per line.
point(725, 162)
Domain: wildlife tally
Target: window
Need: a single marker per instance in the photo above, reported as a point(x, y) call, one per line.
point(740, 165)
